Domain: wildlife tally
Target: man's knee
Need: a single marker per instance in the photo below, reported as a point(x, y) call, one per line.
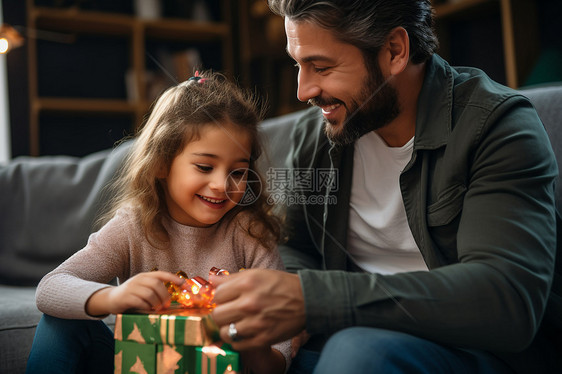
point(363, 349)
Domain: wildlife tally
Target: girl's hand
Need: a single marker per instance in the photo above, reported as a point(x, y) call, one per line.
point(143, 291)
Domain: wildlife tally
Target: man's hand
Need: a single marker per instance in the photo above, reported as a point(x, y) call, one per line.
point(267, 307)
point(143, 291)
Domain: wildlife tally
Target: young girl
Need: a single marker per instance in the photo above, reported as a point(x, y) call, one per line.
point(178, 207)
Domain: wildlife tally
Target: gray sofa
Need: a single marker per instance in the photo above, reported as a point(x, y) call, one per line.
point(48, 204)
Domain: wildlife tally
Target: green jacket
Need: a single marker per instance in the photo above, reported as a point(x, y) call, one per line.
point(479, 198)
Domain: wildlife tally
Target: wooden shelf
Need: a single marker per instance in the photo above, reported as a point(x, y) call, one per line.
point(80, 21)
point(84, 105)
point(134, 32)
point(517, 20)
point(174, 29)
point(74, 20)
point(463, 8)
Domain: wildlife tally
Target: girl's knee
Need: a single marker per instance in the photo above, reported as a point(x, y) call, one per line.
point(74, 329)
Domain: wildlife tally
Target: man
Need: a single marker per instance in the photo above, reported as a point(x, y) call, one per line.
point(439, 252)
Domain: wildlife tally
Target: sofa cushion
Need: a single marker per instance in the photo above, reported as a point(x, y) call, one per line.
point(547, 101)
point(48, 207)
point(19, 318)
point(17, 326)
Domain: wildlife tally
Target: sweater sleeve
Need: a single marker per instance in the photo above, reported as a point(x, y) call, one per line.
point(285, 349)
point(63, 292)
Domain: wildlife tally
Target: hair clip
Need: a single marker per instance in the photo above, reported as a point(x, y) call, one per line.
point(197, 78)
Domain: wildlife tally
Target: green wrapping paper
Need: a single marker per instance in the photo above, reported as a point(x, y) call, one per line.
point(131, 357)
point(166, 343)
point(177, 326)
point(216, 360)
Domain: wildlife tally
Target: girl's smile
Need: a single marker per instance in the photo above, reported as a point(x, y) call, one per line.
point(213, 203)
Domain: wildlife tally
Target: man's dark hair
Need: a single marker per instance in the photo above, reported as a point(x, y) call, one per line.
point(366, 24)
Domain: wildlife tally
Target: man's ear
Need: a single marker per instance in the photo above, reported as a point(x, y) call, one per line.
point(398, 47)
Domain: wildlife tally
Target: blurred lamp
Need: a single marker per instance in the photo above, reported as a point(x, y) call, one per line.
point(9, 38)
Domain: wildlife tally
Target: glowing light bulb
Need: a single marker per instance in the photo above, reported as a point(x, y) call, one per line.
point(4, 45)
point(213, 351)
point(10, 38)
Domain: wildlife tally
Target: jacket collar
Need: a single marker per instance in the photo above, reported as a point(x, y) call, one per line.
point(435, 105)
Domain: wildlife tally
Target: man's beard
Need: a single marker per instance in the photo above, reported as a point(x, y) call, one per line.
point(375, 107)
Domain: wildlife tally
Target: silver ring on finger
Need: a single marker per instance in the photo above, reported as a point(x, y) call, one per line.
point(233, 333)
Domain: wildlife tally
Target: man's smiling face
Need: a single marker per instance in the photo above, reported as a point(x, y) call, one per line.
point(334, 77)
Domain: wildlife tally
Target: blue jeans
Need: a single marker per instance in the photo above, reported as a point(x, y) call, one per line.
point(71, 346)
point(371, 350)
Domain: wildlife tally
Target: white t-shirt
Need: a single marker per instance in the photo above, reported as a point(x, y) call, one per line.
point(379, 239)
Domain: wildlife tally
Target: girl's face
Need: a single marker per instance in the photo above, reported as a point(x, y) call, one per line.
point(208, 178)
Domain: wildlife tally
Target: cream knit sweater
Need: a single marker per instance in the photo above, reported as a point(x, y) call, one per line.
point(120, 249)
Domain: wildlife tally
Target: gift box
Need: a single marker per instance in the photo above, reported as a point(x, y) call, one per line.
point(175, 341)
point(214, 359)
